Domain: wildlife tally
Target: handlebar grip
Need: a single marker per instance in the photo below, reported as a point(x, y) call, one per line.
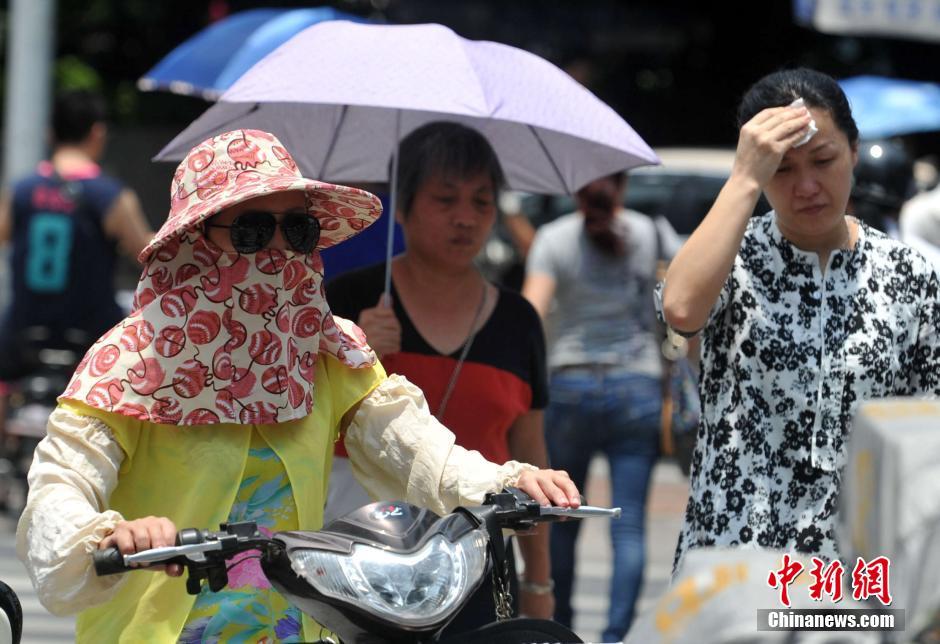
point(109, 561)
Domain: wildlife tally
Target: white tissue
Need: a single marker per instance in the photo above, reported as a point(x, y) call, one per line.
point(811, 129)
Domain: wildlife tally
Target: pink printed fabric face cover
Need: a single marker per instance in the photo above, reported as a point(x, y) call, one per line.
point(218, 337)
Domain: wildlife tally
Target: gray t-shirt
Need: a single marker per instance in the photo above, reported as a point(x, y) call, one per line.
point(604, 310)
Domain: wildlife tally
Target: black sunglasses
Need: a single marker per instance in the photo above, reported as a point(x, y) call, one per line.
point(251, 231)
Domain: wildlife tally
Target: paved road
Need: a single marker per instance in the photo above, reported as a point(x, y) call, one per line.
point(39, 627)
point(667, 502)
point(666, 507)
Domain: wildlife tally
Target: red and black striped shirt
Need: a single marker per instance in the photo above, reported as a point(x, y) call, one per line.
point(503, 377)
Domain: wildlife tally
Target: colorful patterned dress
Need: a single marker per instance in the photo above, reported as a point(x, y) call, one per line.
point(249, 609)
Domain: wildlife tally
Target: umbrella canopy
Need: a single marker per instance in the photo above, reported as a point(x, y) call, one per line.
point(341, 95)
point(892, 106)
point(208, 63)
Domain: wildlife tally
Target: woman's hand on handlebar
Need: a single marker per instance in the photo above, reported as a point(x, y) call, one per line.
point(550, 487)
point(143, 534)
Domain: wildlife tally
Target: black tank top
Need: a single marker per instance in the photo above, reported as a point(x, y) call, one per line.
point(62, 261)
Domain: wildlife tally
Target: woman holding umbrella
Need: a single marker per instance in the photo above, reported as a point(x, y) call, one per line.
point(476, 351)
point(219, 399)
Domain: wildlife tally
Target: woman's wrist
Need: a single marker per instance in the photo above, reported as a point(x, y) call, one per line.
point(537, 588)
point(745, 185)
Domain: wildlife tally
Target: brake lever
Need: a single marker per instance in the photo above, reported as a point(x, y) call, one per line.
point(179, 554)
point(210, 564)
point(582, 512)
point(516, 510)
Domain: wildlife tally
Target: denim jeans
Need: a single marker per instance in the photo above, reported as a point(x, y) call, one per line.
point(615, 413)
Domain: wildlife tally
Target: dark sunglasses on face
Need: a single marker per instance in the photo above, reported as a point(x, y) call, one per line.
point(251, 231)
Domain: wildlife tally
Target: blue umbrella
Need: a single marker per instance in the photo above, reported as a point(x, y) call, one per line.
point(885, 107)
point(208, 63)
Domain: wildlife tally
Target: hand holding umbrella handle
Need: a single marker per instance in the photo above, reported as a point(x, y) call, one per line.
point(381, 327)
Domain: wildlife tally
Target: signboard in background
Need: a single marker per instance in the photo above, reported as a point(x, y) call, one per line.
point(908, 19)
point(891, 500)
point(722, 595)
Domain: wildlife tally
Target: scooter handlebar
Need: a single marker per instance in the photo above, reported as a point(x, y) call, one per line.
point(516, 510)
point(109, 561)
point(200, 548)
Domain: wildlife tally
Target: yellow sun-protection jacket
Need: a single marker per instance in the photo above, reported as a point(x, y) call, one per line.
point(191, 474)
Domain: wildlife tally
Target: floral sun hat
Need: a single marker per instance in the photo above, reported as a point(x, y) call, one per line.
point(239, 165)
point(218, 336)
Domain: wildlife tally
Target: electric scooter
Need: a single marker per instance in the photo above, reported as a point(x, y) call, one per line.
point(387, 572)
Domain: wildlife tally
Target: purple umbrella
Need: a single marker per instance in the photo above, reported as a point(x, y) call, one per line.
point(341, 95)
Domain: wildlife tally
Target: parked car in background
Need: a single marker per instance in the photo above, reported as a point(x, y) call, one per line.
point(682, 190)
point(684, 187)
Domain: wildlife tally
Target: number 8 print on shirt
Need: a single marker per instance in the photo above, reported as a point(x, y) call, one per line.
point(50, 249)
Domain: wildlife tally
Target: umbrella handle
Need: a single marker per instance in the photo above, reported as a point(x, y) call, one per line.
point(393, 194)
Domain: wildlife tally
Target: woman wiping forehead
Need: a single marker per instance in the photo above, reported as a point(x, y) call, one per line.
point(805, 313)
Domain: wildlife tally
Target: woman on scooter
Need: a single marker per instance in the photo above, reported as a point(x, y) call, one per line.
point(219, 399)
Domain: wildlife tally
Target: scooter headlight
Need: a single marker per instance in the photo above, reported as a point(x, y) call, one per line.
point(415, 589)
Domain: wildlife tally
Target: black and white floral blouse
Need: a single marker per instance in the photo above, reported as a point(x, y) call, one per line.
point(787, 356)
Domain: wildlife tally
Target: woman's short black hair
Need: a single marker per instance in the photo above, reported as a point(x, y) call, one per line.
point(443, 148)
point(74, 113)
point(815, 88)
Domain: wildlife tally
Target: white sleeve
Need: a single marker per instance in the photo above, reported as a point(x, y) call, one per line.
point(74, 470)
point(398, 450)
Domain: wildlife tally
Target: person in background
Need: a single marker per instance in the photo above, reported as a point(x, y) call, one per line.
point(884, 186)
point(65, 224)
point(598, 265)
point(920, 224)
point(519, 232)
point(477, 351)
point(804, 313)
point(883, 182)
point(522, 213)
point(219, 398)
